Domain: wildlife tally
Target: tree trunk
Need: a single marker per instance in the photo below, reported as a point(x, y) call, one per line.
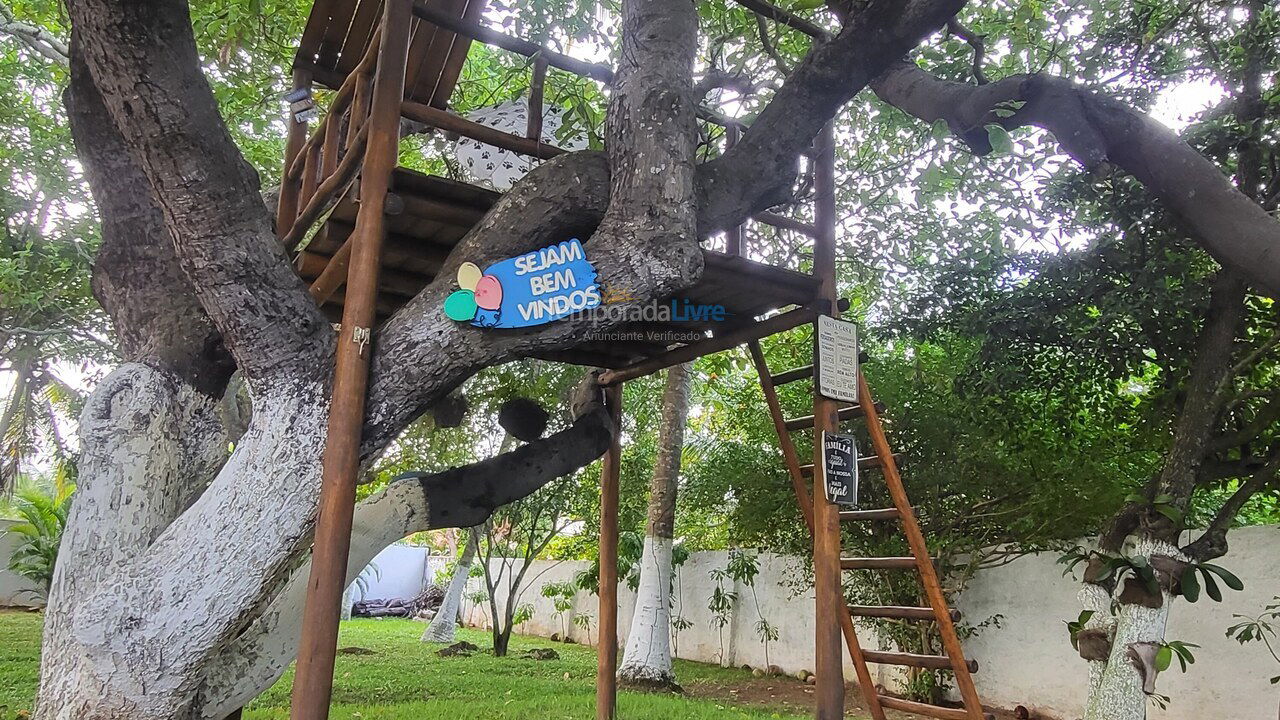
point(445, 623)
point(647, 660)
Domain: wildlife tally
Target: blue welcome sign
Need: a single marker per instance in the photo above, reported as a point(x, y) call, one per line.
point(531, 289)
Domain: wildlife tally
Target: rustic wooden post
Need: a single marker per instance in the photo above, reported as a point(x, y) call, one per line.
point(537, 87)
point(313, 681)
point(733, 236)
point(287, 207)
point(828, 657)
point(311, 171)
point(607, 645)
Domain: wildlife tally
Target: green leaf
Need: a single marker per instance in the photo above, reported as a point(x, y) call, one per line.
point(1001, 143)
point(1211, 586)
point(941, 130)
point(1230, 579)
point(1190, 585)
point(1164, 656)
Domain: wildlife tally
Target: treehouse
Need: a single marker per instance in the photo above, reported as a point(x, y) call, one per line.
point(368, 236)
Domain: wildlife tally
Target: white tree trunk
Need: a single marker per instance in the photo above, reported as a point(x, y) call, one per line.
point(444, 625)
point(1119, 693)
point(648, 656)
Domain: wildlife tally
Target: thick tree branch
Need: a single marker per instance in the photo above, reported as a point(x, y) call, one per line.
point(413, 502)
point(142, 58)
point(1094, 129)
point(34, 37)
point(1213, 542)
point(759, 171)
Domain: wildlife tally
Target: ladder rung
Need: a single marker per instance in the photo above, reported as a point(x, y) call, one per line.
point(930, 662)
point(899, 613)
point(791, 376)
point(844, 414)
point(878, 514)
point(877, 563)
point(864, 463)
point(919, 708)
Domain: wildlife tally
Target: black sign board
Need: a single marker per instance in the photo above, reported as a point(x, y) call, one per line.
point(840, 468)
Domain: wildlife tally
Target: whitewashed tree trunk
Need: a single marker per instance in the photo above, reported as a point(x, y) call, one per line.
point(647, 660)
point(445, 624)
point(1119, 693)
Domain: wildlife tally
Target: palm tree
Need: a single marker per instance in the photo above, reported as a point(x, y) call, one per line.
point(44, 515)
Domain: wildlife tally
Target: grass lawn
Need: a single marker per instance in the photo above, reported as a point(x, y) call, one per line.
point(405, 680)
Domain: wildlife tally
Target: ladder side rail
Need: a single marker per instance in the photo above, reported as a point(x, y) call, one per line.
point(924, 563)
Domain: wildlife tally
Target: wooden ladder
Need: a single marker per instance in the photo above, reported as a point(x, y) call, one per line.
point(920, 560)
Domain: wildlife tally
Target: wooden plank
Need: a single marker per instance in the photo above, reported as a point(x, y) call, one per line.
point(359, 35)
point(898, 612)
point(287, 202)
point(422, 79)
point(806, 422)
point(928, 662)
point(423, 44)
point(786, 223)
point(390, 280)
point(867, 462)
point(313, 32)
point(329, 190)
point(537, 87)
point(445, 120)
point(937, 711)
point(334, 33)
point(719, 343)
point(791, 376)
point(877, 563)
point(876, 514)
point(915, 538)
point(476, 31)
point(459, 46)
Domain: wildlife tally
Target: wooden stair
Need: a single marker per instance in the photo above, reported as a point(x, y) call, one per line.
point(920, 561)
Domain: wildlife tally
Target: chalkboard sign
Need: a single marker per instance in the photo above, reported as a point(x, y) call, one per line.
point(531, 289)
point(840, 468)
point(837, 359)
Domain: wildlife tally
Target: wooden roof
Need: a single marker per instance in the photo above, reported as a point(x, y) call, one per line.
point(339, 31)
point(438, 212)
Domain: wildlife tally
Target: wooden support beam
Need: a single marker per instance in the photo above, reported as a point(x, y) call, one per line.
point(878, 563)
point(898, 613)
point(287, 204)
point(340, 462)
point(733, 237)
point(489, 36)
point(607, 642)
point(786, 223)
point(717, 343)
point(537, 87)
point(830, 613)
point(449, 122)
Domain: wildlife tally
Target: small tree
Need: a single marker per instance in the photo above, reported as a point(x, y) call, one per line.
point(561, 596)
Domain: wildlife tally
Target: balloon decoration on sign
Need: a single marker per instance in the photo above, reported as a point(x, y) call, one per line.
point(478, 291)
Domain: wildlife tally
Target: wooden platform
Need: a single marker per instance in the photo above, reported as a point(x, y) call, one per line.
point(338, 32)
point(438, 212)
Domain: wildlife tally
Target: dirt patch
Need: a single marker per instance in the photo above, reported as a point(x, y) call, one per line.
point(786, 694)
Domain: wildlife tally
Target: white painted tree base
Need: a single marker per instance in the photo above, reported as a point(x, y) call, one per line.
point(647, 659)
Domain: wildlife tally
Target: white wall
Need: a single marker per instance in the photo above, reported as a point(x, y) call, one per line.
point(15, 590)
point(402, 571)
point(1027, 660)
